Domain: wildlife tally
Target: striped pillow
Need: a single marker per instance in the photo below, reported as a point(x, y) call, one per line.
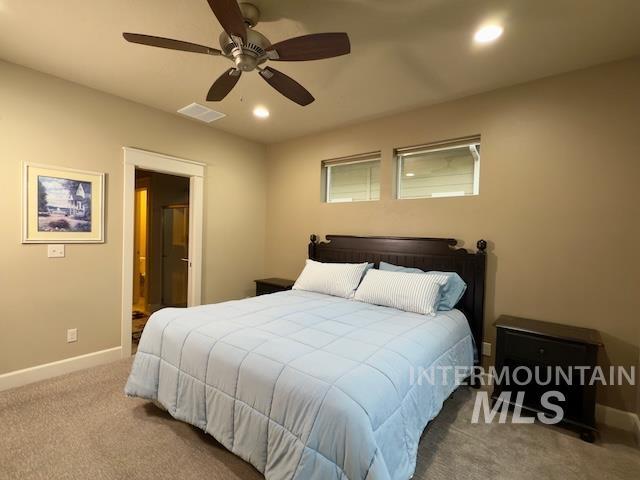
point(404, 291)
point(338, 279)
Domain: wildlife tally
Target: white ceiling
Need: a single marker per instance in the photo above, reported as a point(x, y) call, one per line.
point(405, 53)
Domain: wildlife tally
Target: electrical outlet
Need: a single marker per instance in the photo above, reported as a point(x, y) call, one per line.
point(486, 349)
point(55, 251)
point(72, 335)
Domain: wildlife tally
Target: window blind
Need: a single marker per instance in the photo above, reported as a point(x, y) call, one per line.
point(446, 169)
point(352, 179)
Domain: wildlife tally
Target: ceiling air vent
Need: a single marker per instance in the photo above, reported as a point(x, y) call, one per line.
point(202, 113)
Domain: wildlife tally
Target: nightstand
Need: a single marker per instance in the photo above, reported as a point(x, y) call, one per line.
point(273, 285)
point(522, 342)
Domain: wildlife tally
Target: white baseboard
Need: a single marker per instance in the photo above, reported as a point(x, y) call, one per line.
point(54, 369)
point(620, 419)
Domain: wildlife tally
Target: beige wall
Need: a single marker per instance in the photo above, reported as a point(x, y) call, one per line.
point(559, 200)
point(47, 120)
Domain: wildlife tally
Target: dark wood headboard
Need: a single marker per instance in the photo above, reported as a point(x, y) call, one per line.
point(423, 253)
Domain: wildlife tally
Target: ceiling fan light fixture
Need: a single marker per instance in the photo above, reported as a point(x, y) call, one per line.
point(488, 33)
point(261, 112)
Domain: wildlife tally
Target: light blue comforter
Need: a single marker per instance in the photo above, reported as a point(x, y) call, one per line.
point(304, 386)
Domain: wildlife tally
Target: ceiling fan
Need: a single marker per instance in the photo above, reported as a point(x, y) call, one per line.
point(249, 49)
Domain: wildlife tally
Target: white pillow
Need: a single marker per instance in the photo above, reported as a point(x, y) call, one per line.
point(404, 291)
point(338, 279)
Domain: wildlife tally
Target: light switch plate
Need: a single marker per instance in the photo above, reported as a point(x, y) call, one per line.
point(72, 335)
point(55, 251)
point(486, 349)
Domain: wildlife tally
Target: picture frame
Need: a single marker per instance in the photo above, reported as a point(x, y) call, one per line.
point(62, 205)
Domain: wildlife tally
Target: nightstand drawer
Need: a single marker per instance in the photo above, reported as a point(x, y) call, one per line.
point(543, 351)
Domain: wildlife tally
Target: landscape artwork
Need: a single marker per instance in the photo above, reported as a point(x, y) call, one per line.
point(62, 205)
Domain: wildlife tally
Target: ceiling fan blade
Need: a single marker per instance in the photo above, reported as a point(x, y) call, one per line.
point(312, 47)
point(223, 85)
point(230, 17)
point(287, 86)
point(169, 43)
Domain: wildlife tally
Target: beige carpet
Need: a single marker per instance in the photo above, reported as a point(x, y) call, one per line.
point(81, 426)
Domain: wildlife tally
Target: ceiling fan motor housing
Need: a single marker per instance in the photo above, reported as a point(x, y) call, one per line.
point(251, 54)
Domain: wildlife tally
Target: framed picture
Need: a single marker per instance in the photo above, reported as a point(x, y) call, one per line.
point(62, 205)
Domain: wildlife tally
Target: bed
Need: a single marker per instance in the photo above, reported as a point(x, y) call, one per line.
point(309, 386)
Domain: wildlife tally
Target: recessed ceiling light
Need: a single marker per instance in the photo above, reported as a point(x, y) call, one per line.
point(261, 112)
point(488, 34)
point(410, 174)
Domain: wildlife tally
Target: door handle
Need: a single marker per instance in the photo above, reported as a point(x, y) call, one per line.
point(184, 259)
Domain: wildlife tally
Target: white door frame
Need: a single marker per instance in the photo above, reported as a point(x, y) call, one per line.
point(156, 162)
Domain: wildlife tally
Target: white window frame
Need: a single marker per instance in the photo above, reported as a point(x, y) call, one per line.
point(470, 142)
point(327, 165)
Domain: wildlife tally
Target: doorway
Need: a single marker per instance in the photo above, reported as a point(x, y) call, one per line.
point(163, 206)
point(161, 246)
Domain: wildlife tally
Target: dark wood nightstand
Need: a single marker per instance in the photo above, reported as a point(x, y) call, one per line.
point(522, 342)
point(273, 285)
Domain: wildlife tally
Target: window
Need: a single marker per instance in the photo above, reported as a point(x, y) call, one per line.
point(446, 169)
point(353, 179)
